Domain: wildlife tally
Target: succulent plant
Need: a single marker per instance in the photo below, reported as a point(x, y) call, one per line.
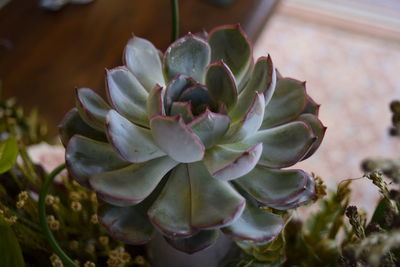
point(193, 142)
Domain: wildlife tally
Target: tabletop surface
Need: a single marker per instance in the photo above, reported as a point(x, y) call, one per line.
point(45, 55)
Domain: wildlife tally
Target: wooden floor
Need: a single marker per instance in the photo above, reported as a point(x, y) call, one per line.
point(45, 55)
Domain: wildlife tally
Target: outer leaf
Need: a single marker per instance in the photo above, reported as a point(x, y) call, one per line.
point(188, 55)
point(132, 142)
point(85, 157)
point(8, 154)
point(174, 89)
point(210, 127)
point(176, 139)
point(250, 122)
point(221, 84)
point(10, 250)
point(255, 225)
point(73, 124)
point(171, 211)
point(230, 161)
point(288, 101)
point(305, 196)
point(132, 184)
point(230, 45)
point(195, 243)
point(215, 203)
point(263, 81)
point(92, 108)
point(318, 129)
point(127, 224)
point(155, 102)
point(311, 106)
point(284, 145)
point(127, 95)
point(143, 60)
point(270, 186)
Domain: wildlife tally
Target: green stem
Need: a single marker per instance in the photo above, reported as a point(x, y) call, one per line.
point(175, 19)
point(43, 220)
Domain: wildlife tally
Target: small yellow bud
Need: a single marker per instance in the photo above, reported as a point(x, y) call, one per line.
point(125, 257)
point(20, 204)
point(139, 260)
point(94, 219)
point(89, 264)
point(55, 207)
point(76, 206)
point(74, 183)
point(75, 196)
point(50, 218)
point(55, 261)
point(24, 195)
point(11, 220)
point(83, 194)
point(113, 262)
point(49, 200)
point(54, 225)
point(93, 197)
point(56, 200)
point(104, 240)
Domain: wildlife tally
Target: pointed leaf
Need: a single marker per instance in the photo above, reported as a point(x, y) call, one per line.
point(318, 129)
point(92, 108)
point(85, 157)
point(287, 102)
point(221, 84)
point(127, 224)
point(284, 145)
point(184, 109)
point(170, 213)
point(305, 196)
point(231, 45)
point(230, 161)
point(176, 139)
point(311, 106)
point(210, 127)
point(155, 102)
point(8, 154)
point(246, 77)
point(196, 242)
point(132, 184)
point(174, 89)
point(143, 60)
point(250, 122)
point(188, 55)
point(73, 124)
point(270, 186)
point(132, 142)
point(255, 225)
point(127, 95)
point(263, 81)
point(215, 203)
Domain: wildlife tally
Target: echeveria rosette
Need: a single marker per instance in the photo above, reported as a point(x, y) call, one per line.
point(194, 140)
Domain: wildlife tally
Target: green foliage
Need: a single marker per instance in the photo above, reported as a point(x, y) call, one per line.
point(10, 250)
point(8, 154)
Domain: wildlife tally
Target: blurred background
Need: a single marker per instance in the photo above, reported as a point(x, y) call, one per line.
point(348, 51)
